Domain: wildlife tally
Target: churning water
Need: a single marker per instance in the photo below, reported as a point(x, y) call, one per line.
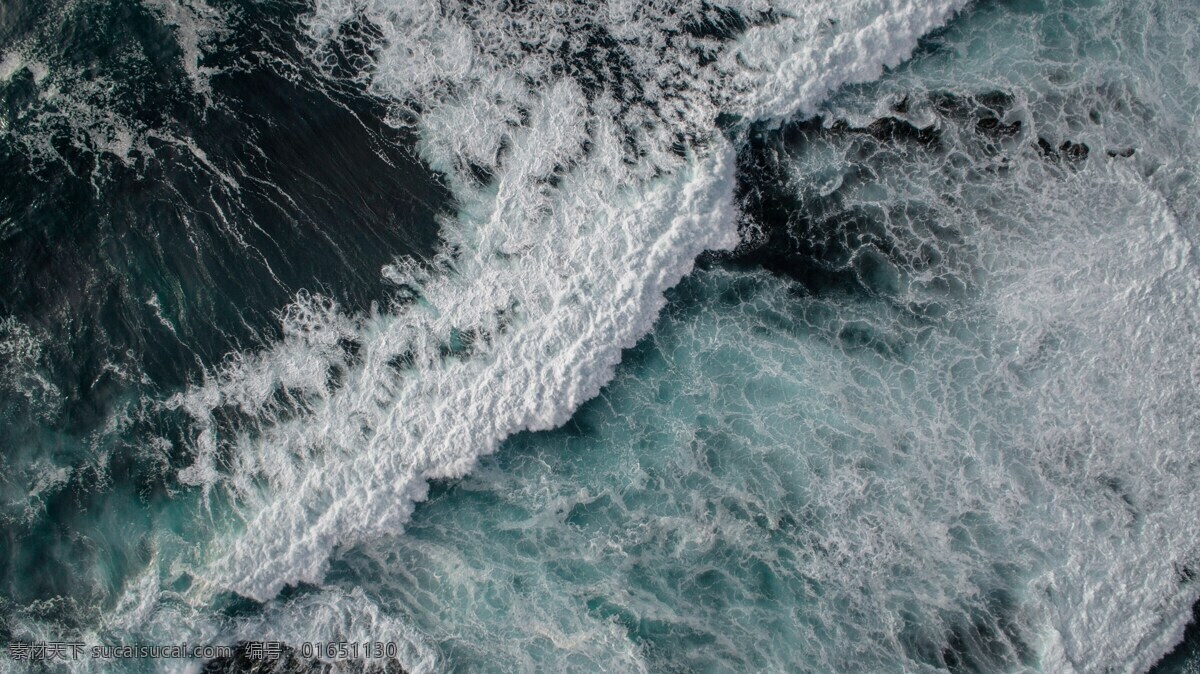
point(629, 336)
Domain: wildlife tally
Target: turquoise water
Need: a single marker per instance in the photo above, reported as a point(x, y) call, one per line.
point(933, 409)
point(894, 451)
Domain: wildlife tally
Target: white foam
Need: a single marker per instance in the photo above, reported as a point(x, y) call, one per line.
point(369, 448)
point(793, 67)
point(39, 70)
point(1121, 410)
point(556, 265)
point(196, 25)
point(22, 367)
point(10, 64)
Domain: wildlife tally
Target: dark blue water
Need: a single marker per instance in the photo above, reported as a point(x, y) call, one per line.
point(150, 227)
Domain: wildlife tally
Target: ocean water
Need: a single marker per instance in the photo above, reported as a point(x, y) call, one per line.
point(765, 336)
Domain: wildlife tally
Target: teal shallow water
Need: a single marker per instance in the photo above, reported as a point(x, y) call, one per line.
point(901, 450)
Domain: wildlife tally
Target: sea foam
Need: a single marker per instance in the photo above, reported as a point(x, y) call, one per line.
point(585, 191)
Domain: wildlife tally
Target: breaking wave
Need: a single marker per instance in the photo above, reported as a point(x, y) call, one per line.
point(922, 395)
point(582, 146)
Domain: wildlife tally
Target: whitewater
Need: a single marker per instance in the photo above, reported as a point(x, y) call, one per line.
point(928, 401)
point(553, 266)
